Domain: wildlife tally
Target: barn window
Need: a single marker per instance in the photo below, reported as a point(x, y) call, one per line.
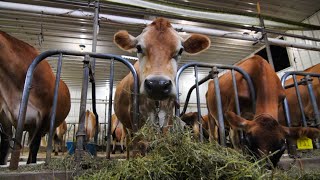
point(279, 56)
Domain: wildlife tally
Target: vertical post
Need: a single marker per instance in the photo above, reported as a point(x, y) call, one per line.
point(110, 107)
point(198, 102)
point(313, 100)
point(105, 122)
point(265, 37)
point(222, 136)
point(54, 109)
point(303, 117)
point(93, 65)
point(81, 134)
point(236, 100)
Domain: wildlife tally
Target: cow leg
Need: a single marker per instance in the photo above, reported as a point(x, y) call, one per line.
point(123, 136)
point(34, 148)
point(5, 143)
point(234, 137)
point(211, 128)
point(113, 146)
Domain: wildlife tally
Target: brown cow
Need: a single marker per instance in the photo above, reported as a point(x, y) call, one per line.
point(90, 126)
point(264, 134)
point(15, 58)
point(191, 120)
point(118, 133)
point(158, 47)
point(58, 138)
point(295, 113)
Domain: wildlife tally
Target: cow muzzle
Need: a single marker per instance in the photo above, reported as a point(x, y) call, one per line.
point(158, 88)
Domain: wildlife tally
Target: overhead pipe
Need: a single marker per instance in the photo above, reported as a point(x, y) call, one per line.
point(127, 20)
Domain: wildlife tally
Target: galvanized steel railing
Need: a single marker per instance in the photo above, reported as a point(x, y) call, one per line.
point(15, 156)
point(307, 80)
point(213, 74)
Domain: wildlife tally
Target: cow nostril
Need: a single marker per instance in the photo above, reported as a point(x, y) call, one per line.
point(148, 84)
point(166, 85)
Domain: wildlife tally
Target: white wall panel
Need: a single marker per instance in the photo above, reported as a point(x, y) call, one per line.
point(302, 59)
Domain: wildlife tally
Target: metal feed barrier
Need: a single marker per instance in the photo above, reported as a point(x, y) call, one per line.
point(87, 70)
point(213, 74)
point(305, 81)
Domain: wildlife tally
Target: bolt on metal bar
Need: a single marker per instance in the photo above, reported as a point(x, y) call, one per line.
point(110, 107)
point(54, 109)
point(198, 103)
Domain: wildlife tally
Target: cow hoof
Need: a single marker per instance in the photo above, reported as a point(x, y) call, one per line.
point(113, 152)
point(56, 153)
point(121, 151)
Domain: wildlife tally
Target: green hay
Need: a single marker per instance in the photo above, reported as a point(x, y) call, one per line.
point(175, 155)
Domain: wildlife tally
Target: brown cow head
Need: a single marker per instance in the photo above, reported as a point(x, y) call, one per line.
point(159, 48)
point(265, 136)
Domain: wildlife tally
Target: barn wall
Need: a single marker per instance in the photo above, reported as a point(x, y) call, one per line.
point(302, 59)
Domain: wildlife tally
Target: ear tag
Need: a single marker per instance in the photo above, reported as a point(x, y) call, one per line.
point(304, 143)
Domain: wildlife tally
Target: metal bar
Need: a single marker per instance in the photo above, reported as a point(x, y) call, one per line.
point(190, 91)
point(301, 82)
point(93, 65)
point(110, 108)
point(127, 20)
point(236, 101)
point(81, 134)
point(15, 154)
point(198, 103)
point(265, 36)
point(313, 101)
point(53, 111)
point(303, 117)
point(222, 135)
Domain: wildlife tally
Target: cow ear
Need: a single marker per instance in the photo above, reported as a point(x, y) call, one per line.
point(196, 43)
point(237, 122)
point(297, 132)
point(125, 41)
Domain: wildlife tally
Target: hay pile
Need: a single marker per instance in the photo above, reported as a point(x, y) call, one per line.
point(176, 155)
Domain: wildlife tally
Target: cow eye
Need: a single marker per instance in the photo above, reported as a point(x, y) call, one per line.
point(178, 54)
point(139, 49)
point(180, 51)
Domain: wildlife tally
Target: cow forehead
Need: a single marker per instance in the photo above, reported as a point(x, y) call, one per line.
point(160, 38)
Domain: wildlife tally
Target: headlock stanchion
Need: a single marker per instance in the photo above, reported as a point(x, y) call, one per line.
point(213, 74)
point(307, 80)
point(15, 155)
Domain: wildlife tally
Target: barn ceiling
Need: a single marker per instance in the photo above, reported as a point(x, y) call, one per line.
point(45, 31)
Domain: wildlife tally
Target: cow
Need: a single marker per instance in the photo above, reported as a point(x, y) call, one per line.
point(264, 135)
point(15, 58)
point(118, 133)
point(295, 113)
point(159, 48)
point(90, 125)
point(191, 120)
point(58, 138)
